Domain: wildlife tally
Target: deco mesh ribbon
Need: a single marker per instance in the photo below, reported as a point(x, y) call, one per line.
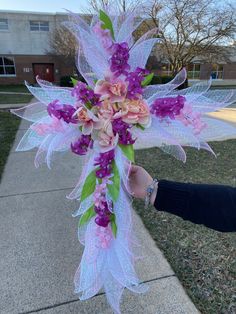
point(104, 120)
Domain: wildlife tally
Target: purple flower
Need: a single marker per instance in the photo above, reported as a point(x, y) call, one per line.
point(54, 109)
point(104, 162)
point(102, 209)
point(61, 111)
point(86, 95)
point(104, 172)
point(102, 221)
point(135, 83)
point(120, 58)
point(126, 138)
point(168, 107)
point(122, 128)
point(82, 145)
point(103, 214)
point(141, 71)
point(105, 159)
point(67, 114)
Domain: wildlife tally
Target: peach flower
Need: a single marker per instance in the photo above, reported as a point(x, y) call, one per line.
point(107, 110)
point(134, 111)
point(88, 120)
point(115, 90)
point(106, 138)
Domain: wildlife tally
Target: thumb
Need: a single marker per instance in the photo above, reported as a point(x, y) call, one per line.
point(133, 170)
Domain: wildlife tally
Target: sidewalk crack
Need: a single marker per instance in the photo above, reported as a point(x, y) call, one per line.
point(76, 300)
point(36, 192)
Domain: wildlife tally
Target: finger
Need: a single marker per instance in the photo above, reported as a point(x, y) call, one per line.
point(132, 193)
point(134, 169)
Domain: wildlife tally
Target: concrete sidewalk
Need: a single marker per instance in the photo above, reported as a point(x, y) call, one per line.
point(14, 93)
point(226, 114)
point(40, 251)
point(13, 106)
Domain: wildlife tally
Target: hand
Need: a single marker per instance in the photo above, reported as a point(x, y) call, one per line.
point(139, 180)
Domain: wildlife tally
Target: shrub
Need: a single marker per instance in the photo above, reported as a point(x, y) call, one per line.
point(65, 81)
point(161, 79)
point(184, 85)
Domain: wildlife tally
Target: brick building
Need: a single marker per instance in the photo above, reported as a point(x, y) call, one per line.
point(200, 70)
point(24, 47)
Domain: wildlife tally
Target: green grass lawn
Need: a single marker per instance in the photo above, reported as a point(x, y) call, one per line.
point(14, 98)
point(8, 127)
point(14, 88)
point(204, 260)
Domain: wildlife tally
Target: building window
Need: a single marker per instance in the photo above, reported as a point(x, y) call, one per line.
point(217, 71)
point(7, 66)
point(166, 69)
point(3, 24)
point(39, 26)
point(194, 71)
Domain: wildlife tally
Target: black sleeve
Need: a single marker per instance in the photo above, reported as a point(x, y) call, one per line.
point(211, 205)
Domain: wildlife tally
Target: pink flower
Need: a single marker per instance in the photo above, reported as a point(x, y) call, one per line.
point(106, 110)
point(134, 111)
point(104, 237)
point(115, 90)
point(42, 129)
point(190, 118)
point(99, 194)
point(104, 35)
point(88, 120)
point(106, 138)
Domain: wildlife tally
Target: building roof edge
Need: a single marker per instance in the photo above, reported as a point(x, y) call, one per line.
point(34, 12)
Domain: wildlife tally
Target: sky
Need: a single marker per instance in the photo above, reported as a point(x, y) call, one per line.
point(52, 5)
point(43, 5)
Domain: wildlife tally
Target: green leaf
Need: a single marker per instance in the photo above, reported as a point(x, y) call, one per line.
point(113, 225)
point(128, 151)
point(140, 126)
point(88, 106)
point(114, 188)
point(147, 79)
point(87, 216)
point(107, 23)
point(89, 186)
point(74, 81)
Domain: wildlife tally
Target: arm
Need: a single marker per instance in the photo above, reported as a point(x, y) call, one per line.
point(211, 205)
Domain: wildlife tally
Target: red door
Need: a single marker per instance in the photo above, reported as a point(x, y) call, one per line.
point(44, 70)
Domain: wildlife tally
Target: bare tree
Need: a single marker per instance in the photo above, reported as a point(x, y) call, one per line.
point(96, 5)
point(122, 5)
point(152, 10)
point(64, 45)
point(188, 29)
point(193, 28)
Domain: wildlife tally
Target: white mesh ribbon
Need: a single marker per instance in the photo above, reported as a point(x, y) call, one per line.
point(110, 267)
point(108, 261)
point(47, 141)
